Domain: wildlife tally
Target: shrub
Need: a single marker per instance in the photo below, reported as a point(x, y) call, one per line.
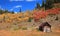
point(24, 28)
point(29, 20)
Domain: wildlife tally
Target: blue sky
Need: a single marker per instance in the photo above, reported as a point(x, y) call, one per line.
point(15, 5)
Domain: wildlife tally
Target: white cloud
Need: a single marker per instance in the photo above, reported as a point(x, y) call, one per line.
point(31, 0)
point(16, 0)
point(15, 7)
point(15, 12)
point(24, 0)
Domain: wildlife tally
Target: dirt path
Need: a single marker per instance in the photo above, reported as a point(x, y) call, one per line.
point(27, 33)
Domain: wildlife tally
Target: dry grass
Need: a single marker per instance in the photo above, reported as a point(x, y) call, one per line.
point(17, 25)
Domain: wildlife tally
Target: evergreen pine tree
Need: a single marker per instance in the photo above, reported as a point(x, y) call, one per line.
point(37, 6)
point(20, 10)
point(48, 4)
point(43, 4)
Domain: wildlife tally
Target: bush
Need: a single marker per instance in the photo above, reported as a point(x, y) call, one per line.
point(29, 19)
point(24, 28)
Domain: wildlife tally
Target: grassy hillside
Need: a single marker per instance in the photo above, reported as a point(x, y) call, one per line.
point(27, 23)
point(28, 19)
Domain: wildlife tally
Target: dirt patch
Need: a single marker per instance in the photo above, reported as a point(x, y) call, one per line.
point(27, 33)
